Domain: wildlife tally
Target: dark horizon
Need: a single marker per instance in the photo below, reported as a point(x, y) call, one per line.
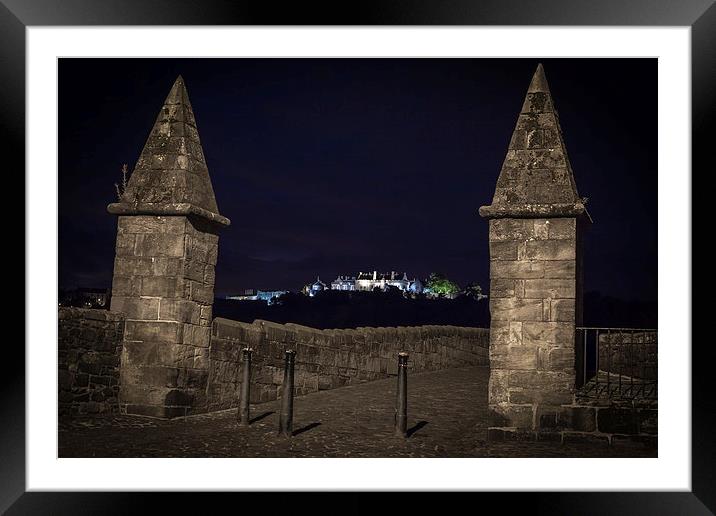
point(327, 167)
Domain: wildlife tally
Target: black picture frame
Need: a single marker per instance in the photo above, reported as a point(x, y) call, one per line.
point(700, 15)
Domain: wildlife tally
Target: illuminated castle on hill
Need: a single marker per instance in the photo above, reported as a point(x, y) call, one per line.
point(368, 282)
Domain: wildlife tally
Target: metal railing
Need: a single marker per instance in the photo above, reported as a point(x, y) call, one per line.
point(616, 363)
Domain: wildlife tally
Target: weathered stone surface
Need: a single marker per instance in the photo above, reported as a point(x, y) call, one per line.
point(536, 172)
point(618, 420)
point(548, 333)
point(153, 331)
point(502, 288)
point(582, 419)
point(561, 310)
point(511, 229)
point(503, 250)
point(172, 169)
point(89, 345)
point(563, 228)
point(514, 309)
point(137, 307)
point(516, 269)
point(521, 416)
point(550, 250)
point(549, 288)
point(560, 269)
point(514, 358)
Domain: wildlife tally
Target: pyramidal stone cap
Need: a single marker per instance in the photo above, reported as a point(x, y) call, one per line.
point(171, 176)
point(536, 178)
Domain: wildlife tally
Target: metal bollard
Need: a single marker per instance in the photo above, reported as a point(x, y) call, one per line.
point(401, 405)
point(285, 423)
point(245, 387)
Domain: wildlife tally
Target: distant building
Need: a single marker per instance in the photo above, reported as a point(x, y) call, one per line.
point(248, 294)
point(270, 296)
point(251, 294)
point(316, 287)
point(344, 283)
point(368, 281)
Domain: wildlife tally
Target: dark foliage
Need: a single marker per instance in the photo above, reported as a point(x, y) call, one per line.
point(335, 309)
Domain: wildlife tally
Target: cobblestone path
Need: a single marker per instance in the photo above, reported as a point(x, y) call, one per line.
point(447, 417)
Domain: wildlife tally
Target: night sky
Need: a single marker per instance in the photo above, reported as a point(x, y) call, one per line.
point(335, 166)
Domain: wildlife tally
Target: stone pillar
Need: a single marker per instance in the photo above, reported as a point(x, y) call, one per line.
point(536, 219)
point(167, 243)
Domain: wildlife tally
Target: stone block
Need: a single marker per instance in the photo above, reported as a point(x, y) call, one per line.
point(498, 386)
point(502, 288)
point(179, 310)
point(157, 354)
point(582, 419)
point(201, 293)
point(563, 228)
point(560, 359)
point(514, 358)
point(501, 434)
point(228, 329)
point(154, 244)
point(550, 250)
point(125, 286)
point(154, 331)
point(549, 288)
point(158, 286)
point(648, 421)
point(125, 244)
point(550, 387)
point(148, 224)
point(516, 269)
point(209, 275)
point(503, 250)
point(196, 335)
point(511, 229)
point(560, 269)
point(519, 416)
point(541, 229)
point(513, 309)
point(615, 420)
point(537, 333)
point(547, 421)
point(194, 270)
point(562, 310)
point(146, 308)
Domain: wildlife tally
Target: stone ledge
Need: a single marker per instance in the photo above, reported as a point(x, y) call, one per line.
point(121, 208)
point(532, 211)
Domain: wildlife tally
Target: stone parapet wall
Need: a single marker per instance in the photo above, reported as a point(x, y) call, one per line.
point(89, 350)
point(326, 359)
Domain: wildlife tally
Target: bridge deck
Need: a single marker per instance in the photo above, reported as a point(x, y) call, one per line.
point(447, 417)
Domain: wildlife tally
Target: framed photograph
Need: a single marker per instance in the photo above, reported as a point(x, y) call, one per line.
point(425, 248)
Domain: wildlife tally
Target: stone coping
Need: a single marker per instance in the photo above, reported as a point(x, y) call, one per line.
point(263, 322)
point(123, 208)
point(532, 211)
